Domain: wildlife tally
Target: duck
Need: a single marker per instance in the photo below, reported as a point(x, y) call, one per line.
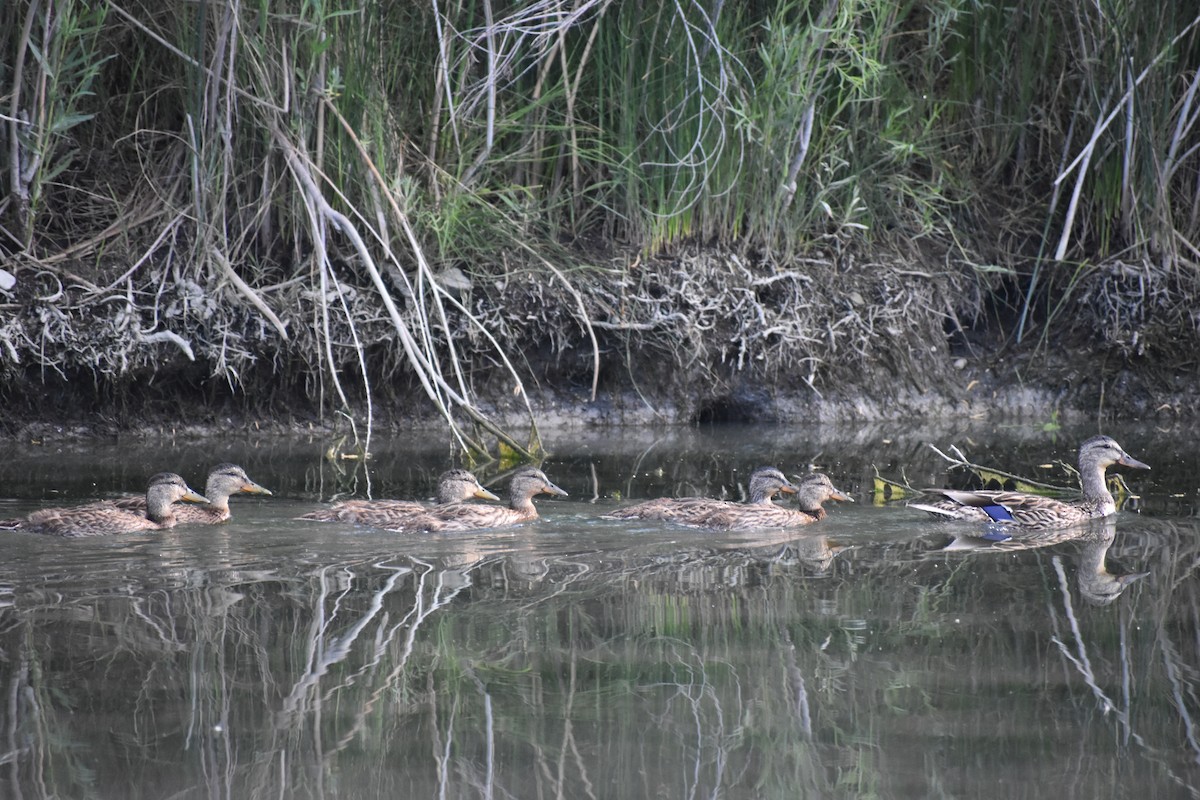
point(1021, 515)
point(454, 486)
point(765, 483)
point(104, 519)
point(223, 480)
point(525, 483)
point(811, 492)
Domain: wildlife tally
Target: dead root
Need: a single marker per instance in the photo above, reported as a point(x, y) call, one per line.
point(711, 316)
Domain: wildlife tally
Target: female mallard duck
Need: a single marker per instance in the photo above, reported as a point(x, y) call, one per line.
point(525, 483)
point(1016, 512)
point(102, 519)
point(223, 480)
point(765, 483)
point(811, 492)
point(454, 486)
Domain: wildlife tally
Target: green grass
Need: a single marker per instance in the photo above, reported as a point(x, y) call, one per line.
point(451, 136)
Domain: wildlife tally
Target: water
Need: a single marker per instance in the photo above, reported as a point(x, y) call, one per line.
point(578, 657)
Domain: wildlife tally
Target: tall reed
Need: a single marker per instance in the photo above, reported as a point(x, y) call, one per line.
point(340, 188)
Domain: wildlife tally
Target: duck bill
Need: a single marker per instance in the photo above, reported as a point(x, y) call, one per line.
point(254, 488)
point(1129, 461)
point(192, 496)
point(841, 497)
point(1130, 577)
point(484, 494)
point(550, 488)
point(788, 488)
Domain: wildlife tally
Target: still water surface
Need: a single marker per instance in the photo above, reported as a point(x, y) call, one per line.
point(582, 658)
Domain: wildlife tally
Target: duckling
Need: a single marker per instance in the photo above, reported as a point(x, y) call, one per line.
point(811, 492)
point(454, 486)
point(765, 483)
point(526, 482)
point(223, 480)
point(1022, 515)
point(103, 519)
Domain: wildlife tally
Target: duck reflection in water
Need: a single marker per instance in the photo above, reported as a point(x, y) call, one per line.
point(786, 548)
point(814, 552)
point(1097, 585)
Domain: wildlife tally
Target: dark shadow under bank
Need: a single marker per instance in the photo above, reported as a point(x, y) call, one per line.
point(1068, 393)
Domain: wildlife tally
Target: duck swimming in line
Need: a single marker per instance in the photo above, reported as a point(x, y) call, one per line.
point(1018, 514)
point(525, 483)
point(765, 483)
point(454, 486)
point(103, 519)
point(223, 480)
point(811, 491)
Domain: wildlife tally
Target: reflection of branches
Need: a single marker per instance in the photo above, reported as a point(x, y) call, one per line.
point(488, 785)
point(799, 688)
point(326, 651)
point(722, 667)
point(569, 735)
point(323, 653)
point(413, 620)
point(1082, 664)
point(441, 751)
point(703, 704)
point(1080, 660)
point(1171, 661)
point(563, 582)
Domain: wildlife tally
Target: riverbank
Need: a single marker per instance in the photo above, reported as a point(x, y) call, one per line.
point(666, 214)
point(691, 338)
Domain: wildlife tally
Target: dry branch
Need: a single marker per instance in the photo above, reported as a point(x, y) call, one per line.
point(426, 370)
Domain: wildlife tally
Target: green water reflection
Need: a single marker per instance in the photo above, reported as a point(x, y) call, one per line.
point(577, 657)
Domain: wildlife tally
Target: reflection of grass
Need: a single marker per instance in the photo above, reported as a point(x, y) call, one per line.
point(906, 693)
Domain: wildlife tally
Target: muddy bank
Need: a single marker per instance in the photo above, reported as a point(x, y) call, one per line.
point(694, 337)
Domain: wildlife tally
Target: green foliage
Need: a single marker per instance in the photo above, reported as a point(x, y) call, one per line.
point(455, 134)
point(51, 91)
point(773, 123)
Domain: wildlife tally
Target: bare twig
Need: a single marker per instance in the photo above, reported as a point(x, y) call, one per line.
point(960, 460)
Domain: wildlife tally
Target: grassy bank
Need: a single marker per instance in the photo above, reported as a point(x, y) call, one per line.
point(360, 201)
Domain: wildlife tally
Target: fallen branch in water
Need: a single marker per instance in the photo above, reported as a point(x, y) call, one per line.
point(960, 460)
point(1116, 482)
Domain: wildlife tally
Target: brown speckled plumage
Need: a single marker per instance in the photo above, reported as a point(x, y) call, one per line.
point(223, 480)
point(757, 512)
point(103, 519)
point(525, 483)
point(812, 492)
point(1032, 513)
point(454, 486)
point(765, 483)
